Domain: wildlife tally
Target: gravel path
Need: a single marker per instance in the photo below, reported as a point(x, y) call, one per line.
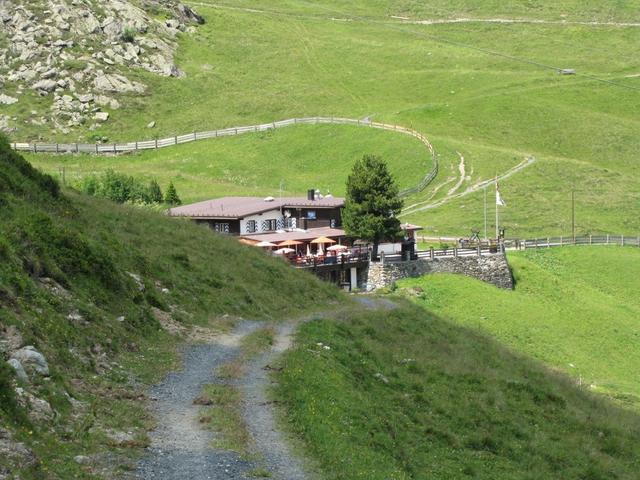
point(259, 414)
point(180, 446)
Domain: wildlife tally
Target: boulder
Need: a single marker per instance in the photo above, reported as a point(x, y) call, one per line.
point(7, 100)
point(112, 82)
point(32, 360)
point(85, 97)
point(101, 116)
point(19, 369)
point(45, 85)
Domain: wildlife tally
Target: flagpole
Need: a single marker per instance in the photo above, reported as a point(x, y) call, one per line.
point(497, 218)
point(485, 212)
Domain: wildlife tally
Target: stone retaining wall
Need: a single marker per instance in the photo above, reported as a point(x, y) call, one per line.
point(493, 269)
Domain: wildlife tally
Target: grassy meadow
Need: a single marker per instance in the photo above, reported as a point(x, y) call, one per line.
point(575, 309)
point(403, 394)
point(301, 157)
point(470, 87)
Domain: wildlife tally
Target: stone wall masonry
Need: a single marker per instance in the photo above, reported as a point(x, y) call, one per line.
point(493, 269)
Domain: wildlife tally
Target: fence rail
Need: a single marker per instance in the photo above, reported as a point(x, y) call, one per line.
point(117, 148)
point(543, 242)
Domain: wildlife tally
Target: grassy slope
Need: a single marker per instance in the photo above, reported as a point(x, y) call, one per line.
point(245, 67)
point(253, 164)
point(457, 405)
point(576, 309)
point(87, 246)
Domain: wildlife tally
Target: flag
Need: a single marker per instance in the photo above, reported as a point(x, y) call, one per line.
point(499, 200)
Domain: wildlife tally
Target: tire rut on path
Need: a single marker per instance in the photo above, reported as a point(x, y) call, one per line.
point(180, 446)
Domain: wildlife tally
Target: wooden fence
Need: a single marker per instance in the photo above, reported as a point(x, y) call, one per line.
point(117, 148)
point(543, 242)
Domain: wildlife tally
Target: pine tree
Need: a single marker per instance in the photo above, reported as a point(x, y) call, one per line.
point(154, 192)
point(171, 197)
point(372, 203)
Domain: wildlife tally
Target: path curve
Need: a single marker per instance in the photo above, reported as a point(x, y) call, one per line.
point(421, 206)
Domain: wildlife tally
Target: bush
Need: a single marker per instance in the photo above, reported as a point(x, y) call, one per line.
point(129, 34)
point(121, 188)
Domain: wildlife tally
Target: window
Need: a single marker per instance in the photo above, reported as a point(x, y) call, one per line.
point(311, 214)
point(252, 226)
point(269, 225)
point(221, 227)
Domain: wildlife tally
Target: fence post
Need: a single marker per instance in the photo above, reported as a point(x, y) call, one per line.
point(57, 148)
point(77, 148)
point(561, 241)
point(175, 139)
point(194, 136)
point(479, 251)
point(548, 242)
point(156, 142)
point(590, 239)
point(136, 145)
point(114, 148)
point(431, 253)
point(35, 148)
point(607, 239)
point(236, 131)
point(215, 133)
point(455, 252)
point(96, 147)
point(622, 240)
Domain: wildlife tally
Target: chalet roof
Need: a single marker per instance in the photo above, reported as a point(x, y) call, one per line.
point(240, 207)
point(300, 235)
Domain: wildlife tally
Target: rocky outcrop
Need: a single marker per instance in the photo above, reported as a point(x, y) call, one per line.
point(493, 269)
point(32, 361)
point(58, 48)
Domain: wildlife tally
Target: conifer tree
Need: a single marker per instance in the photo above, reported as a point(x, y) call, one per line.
point(372, 203)
point(171, 196)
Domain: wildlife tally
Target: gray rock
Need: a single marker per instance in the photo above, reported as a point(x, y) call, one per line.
point(7, 100)
point(101, 116)
point(19, 369)
point(32, 360)
point(82, 459)
point(112, 82)
point(151, 124)
point(51, 73)
point(85, 97)
point(45, 85)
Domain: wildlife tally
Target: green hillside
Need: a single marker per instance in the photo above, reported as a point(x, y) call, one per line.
point(403, 394)
point(575, 309)
point(87, 283)
point(481, 90)
point(302, 157)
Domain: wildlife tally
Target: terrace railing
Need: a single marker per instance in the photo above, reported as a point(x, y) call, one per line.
point(543, 242)
point(117, 148)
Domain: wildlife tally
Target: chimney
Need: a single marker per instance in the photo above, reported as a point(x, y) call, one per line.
point(311, 193)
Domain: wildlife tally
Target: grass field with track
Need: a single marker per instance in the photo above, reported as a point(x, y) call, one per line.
point(486, 91)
